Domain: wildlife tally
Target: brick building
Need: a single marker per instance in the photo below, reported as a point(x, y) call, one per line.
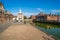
point(4, 15)
point(33, 17)
point(1, 8)
point(52, 18)
point(9, 16)
point(59, 18)
point(41, 17)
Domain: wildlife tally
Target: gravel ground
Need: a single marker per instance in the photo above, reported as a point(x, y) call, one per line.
point(23, 32)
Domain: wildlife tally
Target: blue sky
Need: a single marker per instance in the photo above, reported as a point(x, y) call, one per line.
point(30, 7)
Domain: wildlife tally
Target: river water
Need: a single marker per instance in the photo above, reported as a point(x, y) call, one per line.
point(51, 30)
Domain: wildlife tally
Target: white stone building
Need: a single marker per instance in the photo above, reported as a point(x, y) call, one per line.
point(20, 16)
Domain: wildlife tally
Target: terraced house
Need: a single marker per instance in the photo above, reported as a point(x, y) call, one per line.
point(4, 15)
point(41, 17)
point(52, 18)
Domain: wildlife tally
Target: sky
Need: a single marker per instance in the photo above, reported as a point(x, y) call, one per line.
point(31, 7)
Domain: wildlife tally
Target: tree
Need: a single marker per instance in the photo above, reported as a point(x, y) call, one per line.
point(25, 17)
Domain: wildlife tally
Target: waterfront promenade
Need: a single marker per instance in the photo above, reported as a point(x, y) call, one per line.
point(18, 31)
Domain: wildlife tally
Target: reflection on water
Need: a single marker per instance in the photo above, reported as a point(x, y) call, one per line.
point(50, 29)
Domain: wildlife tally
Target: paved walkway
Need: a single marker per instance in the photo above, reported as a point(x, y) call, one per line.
point(23, 32)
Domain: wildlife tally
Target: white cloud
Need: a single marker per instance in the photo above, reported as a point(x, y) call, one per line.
point(55, 10)
point(40, 9)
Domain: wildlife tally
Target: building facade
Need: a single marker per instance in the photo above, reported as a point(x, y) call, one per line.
point(2, 15)
point(33, 17)
point(52, 18)
point(41, 17)
point(20, 16)
point(9, 16)
point(1, 8)
point(59, 19)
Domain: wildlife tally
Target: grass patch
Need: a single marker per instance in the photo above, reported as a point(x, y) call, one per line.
point(45, 25)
